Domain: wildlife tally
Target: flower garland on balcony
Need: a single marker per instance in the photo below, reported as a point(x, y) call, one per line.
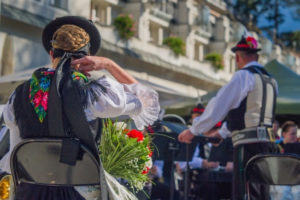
point(125, 26)
point(176, 44)
point(216, 60)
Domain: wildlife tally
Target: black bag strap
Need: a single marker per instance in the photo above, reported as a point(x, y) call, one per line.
point(65, 108)
point(1, 120)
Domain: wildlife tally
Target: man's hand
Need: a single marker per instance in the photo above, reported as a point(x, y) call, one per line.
point(217, 135)
point(229, 167)
point(186, 136)
point(210, 165)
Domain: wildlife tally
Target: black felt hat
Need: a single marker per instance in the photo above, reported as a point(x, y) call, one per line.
point(198, 109)
point(246, 44)
point(87, 25)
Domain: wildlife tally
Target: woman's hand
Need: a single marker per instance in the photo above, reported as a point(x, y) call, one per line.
point(91, 63)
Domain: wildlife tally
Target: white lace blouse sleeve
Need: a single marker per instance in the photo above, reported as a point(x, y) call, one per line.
point(14, 139)
point(115, 99)
point(8, 113)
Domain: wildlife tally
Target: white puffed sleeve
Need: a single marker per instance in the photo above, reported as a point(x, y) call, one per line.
point(115, 99)
point(14, 139)
point(150, 107)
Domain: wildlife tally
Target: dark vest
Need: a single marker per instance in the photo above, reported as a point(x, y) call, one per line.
point(236, 117)
point(28, 121)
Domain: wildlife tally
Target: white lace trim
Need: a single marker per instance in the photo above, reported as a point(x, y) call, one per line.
point(150, 105)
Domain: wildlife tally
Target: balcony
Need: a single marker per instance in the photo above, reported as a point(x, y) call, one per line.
point(236, 32)
point(104, 11)
point(112, 2)
point(220, 4)
point(163, 57)
point(204, 31)
point(160, 17)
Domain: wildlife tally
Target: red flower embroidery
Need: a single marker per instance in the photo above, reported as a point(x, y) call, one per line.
point(37, 98)
point(45, 100)
point(136, 134)
point(41, 98)
point(46, 73)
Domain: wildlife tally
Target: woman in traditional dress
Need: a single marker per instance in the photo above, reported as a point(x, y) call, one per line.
point(72, 42)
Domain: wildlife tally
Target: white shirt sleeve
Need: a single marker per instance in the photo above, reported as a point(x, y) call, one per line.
point(229, 97)
point(159, 166)
point(224, 132)
point(195, 163)
point(135, 100)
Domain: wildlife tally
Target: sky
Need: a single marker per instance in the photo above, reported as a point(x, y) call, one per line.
point(290, 23)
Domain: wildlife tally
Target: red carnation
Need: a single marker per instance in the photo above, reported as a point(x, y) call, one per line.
point(150, 152)
point(146, 170)
point(136, 134)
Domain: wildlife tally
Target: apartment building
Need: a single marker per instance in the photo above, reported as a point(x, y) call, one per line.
point(205, 26)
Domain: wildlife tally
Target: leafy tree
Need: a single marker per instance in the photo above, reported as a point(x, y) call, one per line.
point(291, 39)
point(294, 3)
point(248, 11)
point(275, 17)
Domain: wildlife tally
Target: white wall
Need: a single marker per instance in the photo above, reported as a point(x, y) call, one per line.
point(43, 7)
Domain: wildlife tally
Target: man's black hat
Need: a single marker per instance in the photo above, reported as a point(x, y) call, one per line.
point(87, 25)
point(246, 44)
point(198, 109)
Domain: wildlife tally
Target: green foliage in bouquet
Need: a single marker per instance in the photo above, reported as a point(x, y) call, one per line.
point(126, 154)
point(176, 44)
point(124, 24)
point(216, 60)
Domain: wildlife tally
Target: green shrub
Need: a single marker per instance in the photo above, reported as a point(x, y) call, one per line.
point(216, 60)
point(176, 44)
point(125, 26)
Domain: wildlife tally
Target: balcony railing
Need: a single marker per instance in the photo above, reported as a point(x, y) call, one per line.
point(204, 31)
point(218, 3)
point(160, 14)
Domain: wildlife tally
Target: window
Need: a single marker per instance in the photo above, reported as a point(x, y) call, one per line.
point(63, 4)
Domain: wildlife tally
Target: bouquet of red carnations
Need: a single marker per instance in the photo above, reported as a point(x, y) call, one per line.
point(126, 154)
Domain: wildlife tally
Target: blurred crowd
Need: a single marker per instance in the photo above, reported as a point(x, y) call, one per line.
point(210, 169)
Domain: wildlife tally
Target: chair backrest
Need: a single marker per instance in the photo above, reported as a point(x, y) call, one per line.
point(274, 169)
point(37, 161)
